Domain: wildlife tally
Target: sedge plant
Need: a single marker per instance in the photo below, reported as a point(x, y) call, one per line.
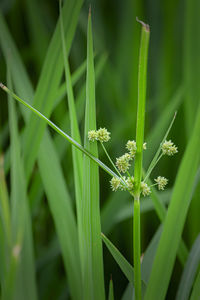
point(80, 236)
point(134, 184)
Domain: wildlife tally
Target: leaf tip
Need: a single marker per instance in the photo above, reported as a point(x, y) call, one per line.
point(145, 26)
point(2, 85)
point(89, 14)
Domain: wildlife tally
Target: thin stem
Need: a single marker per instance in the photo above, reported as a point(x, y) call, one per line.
point(152, 167)
point(137, 250)
point(58, 130)
point(129, 175)
point(153, 184)
point(139, 154)
point(112, 163)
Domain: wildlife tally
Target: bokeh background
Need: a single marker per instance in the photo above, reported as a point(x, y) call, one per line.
point(173, 85)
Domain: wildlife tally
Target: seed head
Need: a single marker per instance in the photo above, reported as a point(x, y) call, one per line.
point(131, 147)
point(145, 146)
point(130, 183)
point(122, 186)
point(169, 148)
point(103, 135)
point(92, 135)
point(162, 182)
point(115, 183)
point(145, 189)
point(122, 162)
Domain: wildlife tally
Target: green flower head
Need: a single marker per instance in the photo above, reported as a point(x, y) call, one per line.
point(162, 182)
point(103, 135)
point(115, 183)
point(92, 135)
point(122, 162)
point(131, 147)
point(145, 189)
point(168, 148)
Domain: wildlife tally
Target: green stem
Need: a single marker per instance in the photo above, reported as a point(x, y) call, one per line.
point(112, 163)
point(152, 167)
point(137, 250)
point(58, 130)
point(139, 153)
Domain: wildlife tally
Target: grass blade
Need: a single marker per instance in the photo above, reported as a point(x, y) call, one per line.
point(35, 20)
point(51, 184)
point(142, 71)
point(149, 255)
point(77, 155)
point(162, 212)
point(124, 265)
point(196, 288)
point(181, 196)
point(111, 291)
point(62, 133)
point(4, 203)
point(48, 83)
point(21, 221)
point(91, 246)
point(5, 227)
point(189, 272)
point(63, 215)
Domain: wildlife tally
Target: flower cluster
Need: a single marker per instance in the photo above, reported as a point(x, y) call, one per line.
point(161, 182)
point(123, 163)
point(128, 184)
point(132, 148)
point(102, 135)
point(122, 184)
point(145, 189)
point(168, 148)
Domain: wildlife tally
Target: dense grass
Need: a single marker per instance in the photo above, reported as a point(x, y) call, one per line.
point(76, 72)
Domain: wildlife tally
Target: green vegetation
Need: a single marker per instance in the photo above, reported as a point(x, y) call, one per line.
point(77, 220)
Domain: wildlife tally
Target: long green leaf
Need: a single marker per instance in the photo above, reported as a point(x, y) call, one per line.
point(149, 254)
point(21, 221)
point(166, 254)
point(5, 225)
point(62, 133)
point(189, 272)
point(191, 73)
point(35, 20)
point(48, 83)
point(124, 265)
point(91, 244)
point(50, 181)
point(77, 155)
point(196, 288)
point(62, 213)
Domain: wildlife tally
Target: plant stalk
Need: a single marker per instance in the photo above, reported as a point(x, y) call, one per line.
point(145, 33)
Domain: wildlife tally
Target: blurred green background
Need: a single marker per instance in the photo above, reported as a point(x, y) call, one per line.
point(173, 84)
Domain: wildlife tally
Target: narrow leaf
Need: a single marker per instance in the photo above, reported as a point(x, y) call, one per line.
point(111, 291)
point(196, 288)
point(91, 246)
point(124, 265)
point(166, 254)
point(21, 220)
point(189, 272)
